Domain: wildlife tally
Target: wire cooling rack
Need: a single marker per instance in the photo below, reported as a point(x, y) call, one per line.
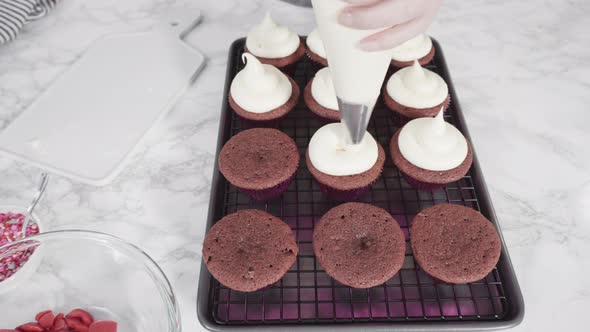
point(306, 295)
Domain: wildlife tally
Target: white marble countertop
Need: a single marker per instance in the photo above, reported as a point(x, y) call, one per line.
point(521, 69)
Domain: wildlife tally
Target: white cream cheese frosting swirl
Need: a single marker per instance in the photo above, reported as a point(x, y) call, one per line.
point(322, 89)
point(260, 88)
point(432, 144)
point(270, 40)
point(417, 87)
point(413, 49)
point(331, 156)
point(315, 43)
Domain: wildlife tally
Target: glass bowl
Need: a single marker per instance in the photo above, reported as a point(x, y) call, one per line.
point(110, 278)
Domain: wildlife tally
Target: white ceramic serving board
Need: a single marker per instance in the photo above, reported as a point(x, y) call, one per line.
point(87, 123)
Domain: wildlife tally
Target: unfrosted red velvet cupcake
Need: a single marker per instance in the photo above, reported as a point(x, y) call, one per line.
point(261, 162)
point(275, 45)
point(419, 48)
point(344, 172)
point(261, 95)
point(431, 153)
point(315, 49)
point(415, 92)
point(249, 250)
point(320, 96)
point(454, 243)
point(359, 245)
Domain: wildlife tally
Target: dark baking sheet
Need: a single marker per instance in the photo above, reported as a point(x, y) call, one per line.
point(307, 297)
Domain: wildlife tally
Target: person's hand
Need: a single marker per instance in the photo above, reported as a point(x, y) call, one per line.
point(400, 19)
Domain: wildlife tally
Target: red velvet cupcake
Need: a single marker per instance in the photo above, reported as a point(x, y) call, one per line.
point(275, 45)
point(431, 153)
point(454, 243)
point(344, 172)
point(415, 92)
point(261, 95)
point(359, 245)
point(419, 48)
point(320, 96)
point(261, 162)
point(249, 250)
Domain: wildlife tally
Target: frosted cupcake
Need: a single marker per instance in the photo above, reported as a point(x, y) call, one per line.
point(344, 172)
point(418, 48)
point(415, 92)
point(320, 96)
point(315, 48)
point(261, 94)
point(275, 45)
point(430, 153)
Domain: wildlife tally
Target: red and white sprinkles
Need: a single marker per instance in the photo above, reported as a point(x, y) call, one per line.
point(11, 230)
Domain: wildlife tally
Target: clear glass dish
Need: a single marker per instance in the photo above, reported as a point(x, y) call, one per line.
point(102, 274)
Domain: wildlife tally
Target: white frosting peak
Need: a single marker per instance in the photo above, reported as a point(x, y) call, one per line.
point(253, 66)
point(417, 87)
point(439, 125)
point(331, 156)
point(270, 40)
point(432, 144)
point(315, 43)
point(415, 74)
point(413, 49)
point(322, 89)
point(260, 88)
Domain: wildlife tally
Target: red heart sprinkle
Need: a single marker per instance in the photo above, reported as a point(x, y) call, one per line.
point(30, 327)
point(4, 330)
point(59, 323)
point(76, 325)
point(82, 315)
point(41, 314)
point(46, 320)
point(103, 326)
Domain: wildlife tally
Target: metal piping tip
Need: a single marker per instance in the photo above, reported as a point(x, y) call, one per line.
point(355, 118)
